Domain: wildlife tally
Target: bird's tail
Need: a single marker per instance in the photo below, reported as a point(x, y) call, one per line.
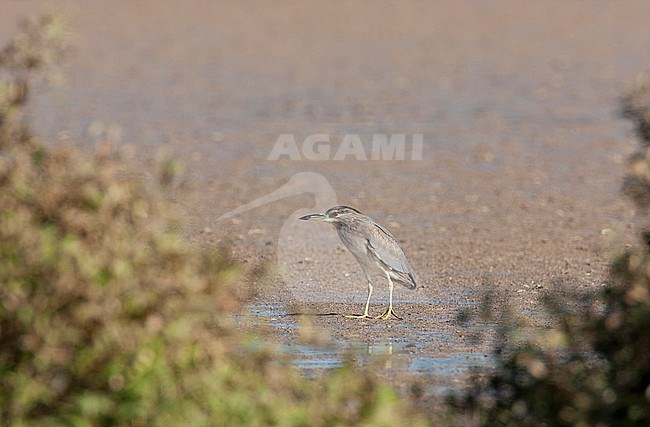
point(407, 280)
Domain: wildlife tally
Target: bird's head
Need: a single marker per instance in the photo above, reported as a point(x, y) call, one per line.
point(333, 215)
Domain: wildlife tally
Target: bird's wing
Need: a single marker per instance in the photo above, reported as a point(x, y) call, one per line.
point(384, 249)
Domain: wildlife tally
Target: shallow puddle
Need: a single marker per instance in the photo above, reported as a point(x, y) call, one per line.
point(421, 355)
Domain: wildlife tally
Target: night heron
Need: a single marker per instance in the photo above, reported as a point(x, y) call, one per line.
point(375, 249)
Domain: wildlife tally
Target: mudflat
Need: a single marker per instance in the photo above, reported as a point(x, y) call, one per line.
point(516, 189)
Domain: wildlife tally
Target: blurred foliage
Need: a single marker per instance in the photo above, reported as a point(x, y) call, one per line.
point(30, 56)
point(593, 367)
point(636, 107)
point(108, 318)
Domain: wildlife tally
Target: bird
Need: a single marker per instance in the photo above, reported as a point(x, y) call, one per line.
point(374, 247)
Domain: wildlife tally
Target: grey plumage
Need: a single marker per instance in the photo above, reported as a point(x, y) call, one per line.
point(376, 249)
point(373, 246)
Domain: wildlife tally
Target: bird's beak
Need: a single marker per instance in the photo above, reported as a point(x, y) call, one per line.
point(315, 217)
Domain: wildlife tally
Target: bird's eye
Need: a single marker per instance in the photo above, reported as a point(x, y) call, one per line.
point(335, 214)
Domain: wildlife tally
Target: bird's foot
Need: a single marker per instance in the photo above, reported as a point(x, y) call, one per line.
point(358, 316)
point(387, 315)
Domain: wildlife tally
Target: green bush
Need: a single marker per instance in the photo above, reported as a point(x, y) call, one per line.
point(593, 367)
point(636, 107)
point(108, 318)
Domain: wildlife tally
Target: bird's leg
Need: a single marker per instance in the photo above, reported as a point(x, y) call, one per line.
point(389, 311)
point(365, 312)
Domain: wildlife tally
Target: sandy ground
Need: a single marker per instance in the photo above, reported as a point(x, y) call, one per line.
point(517, 190)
